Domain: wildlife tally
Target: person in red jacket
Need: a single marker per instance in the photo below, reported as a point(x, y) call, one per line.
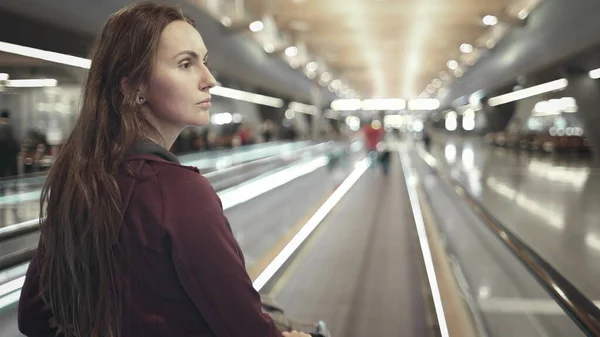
point(133, 243)
point(373, 134)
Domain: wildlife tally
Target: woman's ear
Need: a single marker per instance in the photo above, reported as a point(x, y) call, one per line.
point(123, 85)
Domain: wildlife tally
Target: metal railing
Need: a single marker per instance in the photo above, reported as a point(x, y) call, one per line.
point(30, 226)
point(16, 258)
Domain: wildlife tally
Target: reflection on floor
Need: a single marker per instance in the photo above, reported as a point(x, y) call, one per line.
point(549, 201)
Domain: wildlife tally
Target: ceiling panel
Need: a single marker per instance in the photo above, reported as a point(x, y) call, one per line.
point(390, 48)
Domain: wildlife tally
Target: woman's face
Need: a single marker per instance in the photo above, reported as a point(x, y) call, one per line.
point(177, 93)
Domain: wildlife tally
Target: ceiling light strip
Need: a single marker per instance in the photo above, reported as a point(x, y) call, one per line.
point(84, 63)
point(69, 60)
point(529, 92)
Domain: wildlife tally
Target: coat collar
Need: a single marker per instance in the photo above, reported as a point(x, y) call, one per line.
point(149, 147)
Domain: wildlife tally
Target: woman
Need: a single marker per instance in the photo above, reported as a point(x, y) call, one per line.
point(132, 243)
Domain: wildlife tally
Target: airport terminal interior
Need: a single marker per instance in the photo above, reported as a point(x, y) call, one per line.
point(389, 168)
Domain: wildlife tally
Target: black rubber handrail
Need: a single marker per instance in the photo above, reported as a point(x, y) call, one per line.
point(577, 306)
point(16, 258)
point(30, 226)
point(23, 228)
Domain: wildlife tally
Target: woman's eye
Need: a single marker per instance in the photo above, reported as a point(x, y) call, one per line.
point(186, 65)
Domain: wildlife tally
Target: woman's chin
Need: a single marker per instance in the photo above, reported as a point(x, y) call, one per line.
point(202, 119)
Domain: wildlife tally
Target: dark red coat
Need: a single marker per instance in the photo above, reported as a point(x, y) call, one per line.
point(189, 274)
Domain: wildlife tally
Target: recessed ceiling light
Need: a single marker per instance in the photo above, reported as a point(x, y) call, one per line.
point(523, 14)
point(257, 26)
point(291, 51)
point(490, 20)
point(312, 66)
point(466, 48)
point(326, 77)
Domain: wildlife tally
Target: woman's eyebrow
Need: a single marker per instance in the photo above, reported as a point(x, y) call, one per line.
point(192, 54)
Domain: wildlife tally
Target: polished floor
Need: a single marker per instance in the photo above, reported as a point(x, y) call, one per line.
point(358, 270)
point(549, 201)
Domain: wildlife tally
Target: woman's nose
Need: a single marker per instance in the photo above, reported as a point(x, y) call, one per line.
point(208, 81)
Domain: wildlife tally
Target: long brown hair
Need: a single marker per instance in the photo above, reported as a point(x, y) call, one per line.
point(82, 276)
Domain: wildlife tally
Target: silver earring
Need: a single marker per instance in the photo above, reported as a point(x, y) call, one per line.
point(141, 99)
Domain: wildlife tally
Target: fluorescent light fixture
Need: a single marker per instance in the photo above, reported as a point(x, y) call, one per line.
point(304, 108)
point(369, 104)
point(427, 104)
point(257, 26)
point(451, 122)
point(3, 76)
point(384, 104)
point(69, 60)
point(310, 226)
point(247, 96)
point(555, 107)
point(595, 74)
point(468, 121)
point(346, 104)
point(31, 83)
point(86, 63)
point(529, 92)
